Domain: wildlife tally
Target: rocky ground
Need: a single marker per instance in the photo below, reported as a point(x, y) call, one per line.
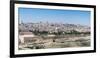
point(57, 42)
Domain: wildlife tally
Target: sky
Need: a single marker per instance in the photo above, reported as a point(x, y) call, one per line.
point(36, 15)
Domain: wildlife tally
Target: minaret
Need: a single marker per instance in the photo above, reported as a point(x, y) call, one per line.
point(22, 22)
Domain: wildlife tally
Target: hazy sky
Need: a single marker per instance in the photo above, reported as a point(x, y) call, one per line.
point(54, 16)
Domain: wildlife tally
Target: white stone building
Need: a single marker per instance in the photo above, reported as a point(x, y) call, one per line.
point(25, 37)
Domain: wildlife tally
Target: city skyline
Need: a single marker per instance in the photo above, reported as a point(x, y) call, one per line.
point(54, 16)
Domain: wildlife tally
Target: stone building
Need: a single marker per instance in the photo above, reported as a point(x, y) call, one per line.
point(26, 37)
